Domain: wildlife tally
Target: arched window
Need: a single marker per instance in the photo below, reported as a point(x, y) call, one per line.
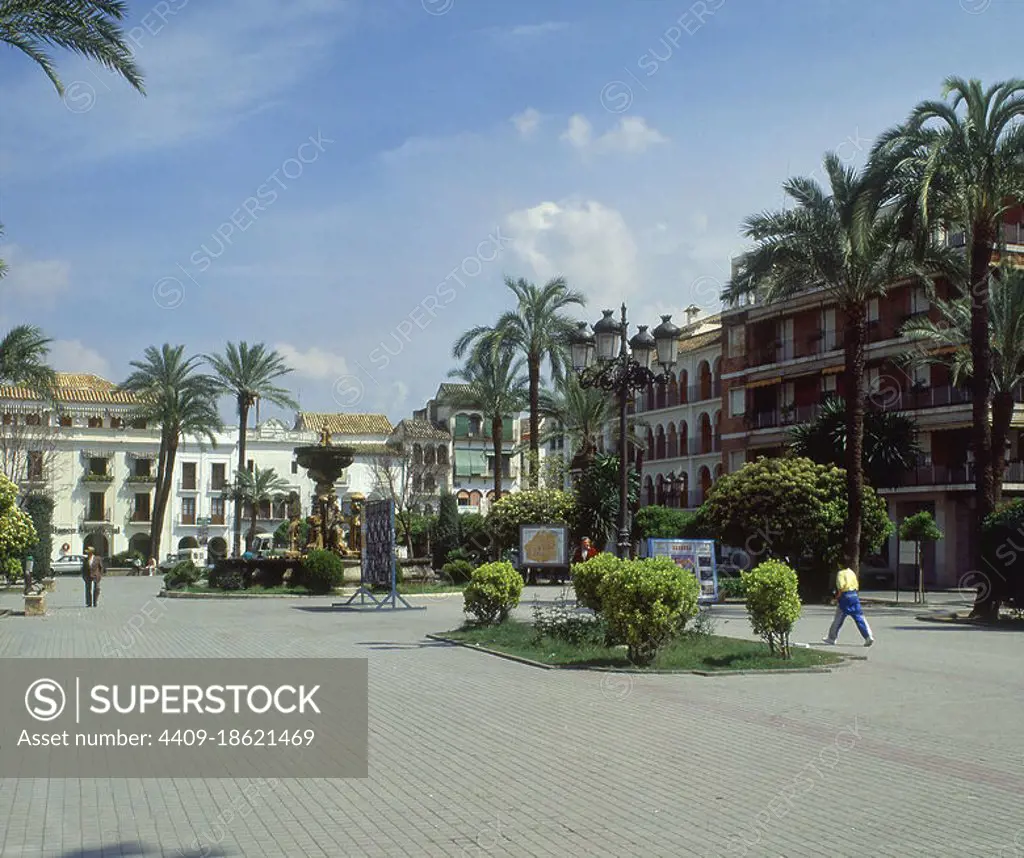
point(704, 380)
point(673, 441)
point(428, 458)
point(649, 490)
point(429, 483)
point(475, 424)
point(442, 455)
point(475, 497)
point(672, 393)
point(417, 454)
point(659, 443)
point(684, 439)
point(660, 490)
point(706, 434)
point(716, 373)
point(650, 443)
point(684, 395)
point(705, 482)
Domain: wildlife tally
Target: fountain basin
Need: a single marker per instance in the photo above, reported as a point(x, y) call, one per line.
point(324, 464)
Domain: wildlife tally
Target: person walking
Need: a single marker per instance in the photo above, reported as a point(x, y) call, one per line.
point(848, 605)
point(92, 572)
point(151, 567)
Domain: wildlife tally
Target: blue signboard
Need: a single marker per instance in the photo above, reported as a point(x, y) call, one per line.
point(696, 555)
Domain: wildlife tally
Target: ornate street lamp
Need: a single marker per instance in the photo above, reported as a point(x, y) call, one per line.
point(621, 369)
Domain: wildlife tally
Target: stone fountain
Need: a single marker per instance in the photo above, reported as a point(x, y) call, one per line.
point(324, 463)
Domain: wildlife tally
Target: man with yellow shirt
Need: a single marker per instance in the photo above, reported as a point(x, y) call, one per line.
point(848, 605)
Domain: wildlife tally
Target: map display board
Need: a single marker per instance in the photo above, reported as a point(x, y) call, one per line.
point(696, 555)
point(379, 543)
point(544, 545)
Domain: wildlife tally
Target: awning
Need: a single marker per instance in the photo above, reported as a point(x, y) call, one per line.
point(833, 370)
point(768, 382)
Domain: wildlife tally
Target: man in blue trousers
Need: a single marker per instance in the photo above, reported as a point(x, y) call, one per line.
point(848, 605)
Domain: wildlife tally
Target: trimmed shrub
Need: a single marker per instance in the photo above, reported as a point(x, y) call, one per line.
point(458, 571)
point(731, 588)
point(227, 574)
point(182, 575)
point(659, 522)
point(493, 592)
point(647, 603)
point(322, 571)
point(587, 578)
point(39, 507)
point(773, 603)
point(445, 537)
point(127, 559)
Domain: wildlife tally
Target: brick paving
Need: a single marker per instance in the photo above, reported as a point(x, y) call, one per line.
point(917, 751)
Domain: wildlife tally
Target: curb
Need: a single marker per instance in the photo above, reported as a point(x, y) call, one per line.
point(583, 668)
point(182, 594)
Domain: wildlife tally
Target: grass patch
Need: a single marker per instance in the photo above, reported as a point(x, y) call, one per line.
point(251, 591)
point(414, 588)
point(690, 652)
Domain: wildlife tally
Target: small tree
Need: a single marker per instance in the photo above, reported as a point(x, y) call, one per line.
point(917, 528)
point(597, 499)
point(773, 603)
point(446, 531)
point(17, 533)
point(493, 593)
point(39, 508)
point(660, 522)
point(540, 506)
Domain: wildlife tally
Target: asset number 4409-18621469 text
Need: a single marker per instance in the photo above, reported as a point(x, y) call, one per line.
point(238, 738)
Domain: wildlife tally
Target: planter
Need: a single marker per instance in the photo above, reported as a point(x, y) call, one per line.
point(35, 606)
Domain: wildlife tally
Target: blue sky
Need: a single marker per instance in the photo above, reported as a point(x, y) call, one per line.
point(398, 158)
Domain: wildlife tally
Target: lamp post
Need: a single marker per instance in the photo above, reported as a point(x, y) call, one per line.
point(622, 368)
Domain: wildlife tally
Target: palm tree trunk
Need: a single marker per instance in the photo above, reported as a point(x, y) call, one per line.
point(1002, 415)
point(243, 420)
point(252, 528)
point(497, 438)
point(856, 336)
point(533, 365)
point(165, 478)
point(981, 387)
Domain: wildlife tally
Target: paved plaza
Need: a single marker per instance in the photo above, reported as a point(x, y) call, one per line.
point(917, 751)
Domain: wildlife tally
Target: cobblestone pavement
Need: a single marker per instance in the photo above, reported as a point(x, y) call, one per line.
point(917, 751)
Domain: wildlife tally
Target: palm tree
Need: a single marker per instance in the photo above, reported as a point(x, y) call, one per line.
point(183, 402)
point(85, 27)
point(23, 352)
point(947, 342)
point(540, 331)
point(249, 374)
point(947, 166)
point(492, 382)
point(890, 441)
point(842, 245)
point(581, 413)
point(256, 488)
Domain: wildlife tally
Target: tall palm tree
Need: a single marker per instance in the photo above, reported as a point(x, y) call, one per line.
point(183, 402)
point(248, 373)
point(492, 382)
point(85, 27)
point(948, 342)
point(540, 330)
point(254, 489)
point(834, 242)
point(890, 441)
point(960, 162)
point(23, 352)
point(581, 413)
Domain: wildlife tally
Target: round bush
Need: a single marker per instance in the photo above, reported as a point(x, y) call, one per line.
point(773, 603)
point(647, 603)
point(184, 574)
point(587, 578)
point(458, 571)
point(493, 592)
point(322, 571)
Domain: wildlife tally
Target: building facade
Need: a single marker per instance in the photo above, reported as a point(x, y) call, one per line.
point(99, 462)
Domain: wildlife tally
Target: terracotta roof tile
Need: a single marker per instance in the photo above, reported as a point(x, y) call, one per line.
point(80, 388)
point(700, 341)
point(422, 429)
point(344, 424)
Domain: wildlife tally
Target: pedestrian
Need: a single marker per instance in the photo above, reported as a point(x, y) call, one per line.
point(92, 572)
point(848, 605)
point(151, 567)
point(584, 551)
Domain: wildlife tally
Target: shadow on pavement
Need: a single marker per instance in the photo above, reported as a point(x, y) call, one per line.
point(941, 626)
point(114, 849)
point(403, 645)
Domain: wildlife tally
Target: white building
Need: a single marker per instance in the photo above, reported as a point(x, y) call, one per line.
point(99, 464)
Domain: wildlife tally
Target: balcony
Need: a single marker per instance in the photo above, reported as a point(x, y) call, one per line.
point(96, 516)
point(187, 486)
point(140, 516)
point(90, 477)
point(1013, 233)
point(141, 479)
point(955, 475)
point(187, 520)
point(217, 520)
point(796, 414)
point(703, 392)
point(762, 419)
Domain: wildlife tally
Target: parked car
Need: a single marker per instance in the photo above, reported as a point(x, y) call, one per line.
point(67, 564)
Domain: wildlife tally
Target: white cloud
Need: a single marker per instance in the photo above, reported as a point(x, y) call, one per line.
point(532, 30)
point(588, 243)
point(75, 356)
point(526, 122)
point(40, 280)
point(632, 135)
point(579, 133)
point(313, 362)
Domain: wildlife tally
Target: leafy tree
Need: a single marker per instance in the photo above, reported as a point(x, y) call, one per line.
point(840, 241)
point(534, 506)
point(249, 373)
point(947, 342)
point(890, 441)
point(792, 509)
point(261, 486)
point(17, 533)
point(917, 528)
point(39, 507)
point(85, 27)
point(183, 402)
point(1002, 534)
point(446, 531)
point(960, 162)
point(660, 522)
point(597, 499)
point(492, 382)
point(475, 536)
point(539, 329)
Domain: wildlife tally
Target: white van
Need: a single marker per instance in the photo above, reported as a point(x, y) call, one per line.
point(196, 555)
